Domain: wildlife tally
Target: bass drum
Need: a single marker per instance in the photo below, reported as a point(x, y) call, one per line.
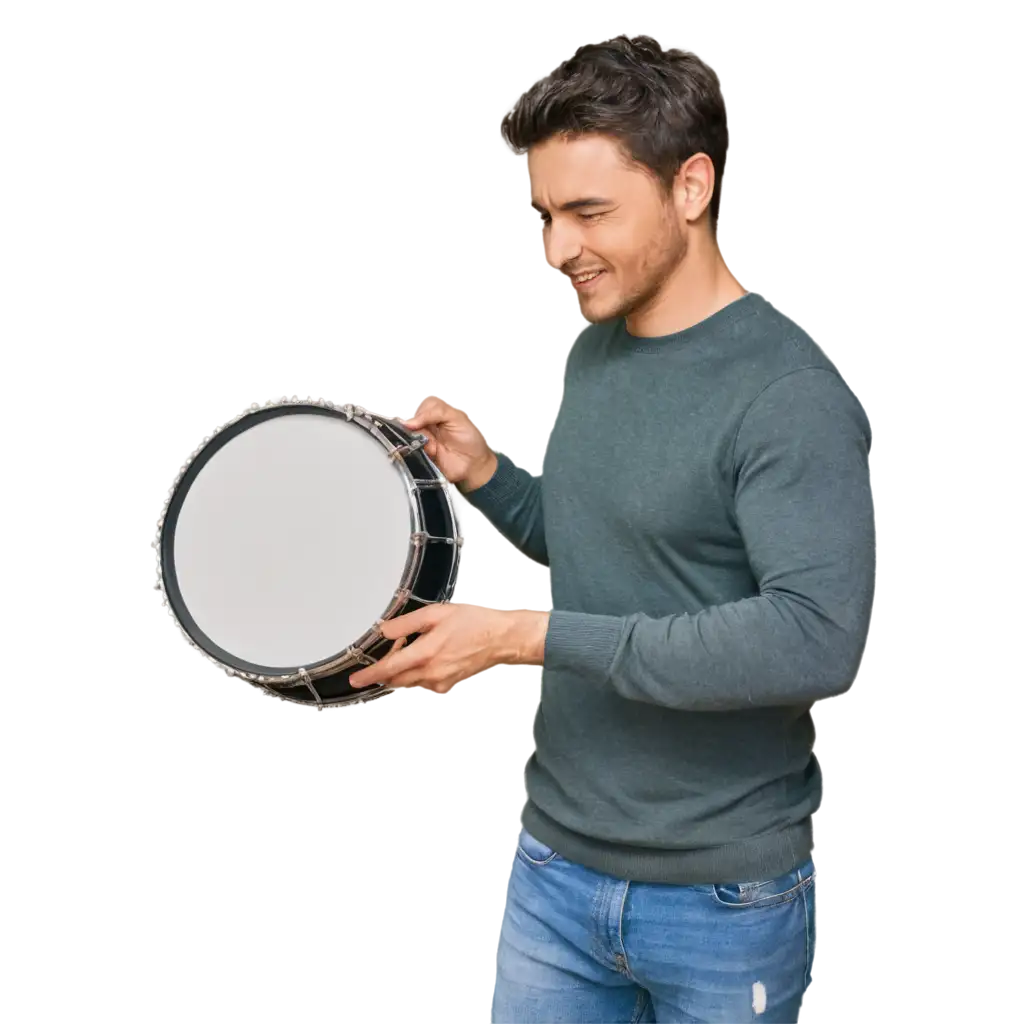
point(292, 533)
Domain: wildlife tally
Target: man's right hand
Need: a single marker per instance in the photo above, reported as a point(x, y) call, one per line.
point(454, 444)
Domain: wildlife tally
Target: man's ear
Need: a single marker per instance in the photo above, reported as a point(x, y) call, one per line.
point(693, 187)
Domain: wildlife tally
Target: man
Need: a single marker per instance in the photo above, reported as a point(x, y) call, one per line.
point(706, 512)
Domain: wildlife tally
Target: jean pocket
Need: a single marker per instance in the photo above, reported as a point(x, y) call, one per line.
point(532, 850)
point(767, 893)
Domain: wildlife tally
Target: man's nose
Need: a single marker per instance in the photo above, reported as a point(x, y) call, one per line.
point(563, 245)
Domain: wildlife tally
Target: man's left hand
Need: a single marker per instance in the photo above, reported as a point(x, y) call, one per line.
point(457, 641)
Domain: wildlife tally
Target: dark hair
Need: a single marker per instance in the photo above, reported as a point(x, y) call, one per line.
point(663, 106)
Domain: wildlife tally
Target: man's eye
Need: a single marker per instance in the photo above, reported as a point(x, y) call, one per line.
point(590, 216)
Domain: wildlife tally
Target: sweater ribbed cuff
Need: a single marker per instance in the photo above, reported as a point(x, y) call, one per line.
point(581, 642)
point(498, 489)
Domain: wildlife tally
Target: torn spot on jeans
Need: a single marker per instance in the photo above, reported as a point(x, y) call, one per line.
point(760, 997)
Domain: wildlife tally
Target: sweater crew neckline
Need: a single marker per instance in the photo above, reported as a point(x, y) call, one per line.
point(739, 308)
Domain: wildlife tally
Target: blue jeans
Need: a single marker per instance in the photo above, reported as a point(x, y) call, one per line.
point(580, 945)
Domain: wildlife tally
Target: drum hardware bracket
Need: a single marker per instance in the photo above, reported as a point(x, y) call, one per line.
point(422, 537)
point(402, 450)
point(361, 657)
point(270, 695)
point(312, 689)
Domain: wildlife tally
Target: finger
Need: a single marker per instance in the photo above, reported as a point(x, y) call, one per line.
point(388, 667)
point(432, 410)
point(431, 444)
point(410, 622)
point(406, 679)
point(414, 654)
point(435, 673)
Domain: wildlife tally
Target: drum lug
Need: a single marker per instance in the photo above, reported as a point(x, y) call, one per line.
point(402, 450)
point(422, 537)
point(312, 689)
point(361, 657)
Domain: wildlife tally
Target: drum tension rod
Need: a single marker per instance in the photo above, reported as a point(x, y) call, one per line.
point(311, 687)
point(422, 537)
point(402, 450)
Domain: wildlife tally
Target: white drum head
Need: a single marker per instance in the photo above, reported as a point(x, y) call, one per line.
point(292, 540)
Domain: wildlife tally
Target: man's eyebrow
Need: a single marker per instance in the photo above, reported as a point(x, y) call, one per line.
point(575, 204)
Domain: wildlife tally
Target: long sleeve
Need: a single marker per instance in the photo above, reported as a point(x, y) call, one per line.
point(804, 509)
point(513, 501)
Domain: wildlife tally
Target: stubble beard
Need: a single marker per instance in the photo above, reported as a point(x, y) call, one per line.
point(655, 265)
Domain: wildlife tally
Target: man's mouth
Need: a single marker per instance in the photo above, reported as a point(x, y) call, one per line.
point(586, 281)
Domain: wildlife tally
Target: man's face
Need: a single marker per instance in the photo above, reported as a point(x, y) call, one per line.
point(633, 235)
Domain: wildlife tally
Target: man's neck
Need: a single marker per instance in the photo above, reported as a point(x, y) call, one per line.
point(701, 285)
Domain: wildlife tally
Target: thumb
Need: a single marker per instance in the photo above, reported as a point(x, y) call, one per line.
point(428, 411)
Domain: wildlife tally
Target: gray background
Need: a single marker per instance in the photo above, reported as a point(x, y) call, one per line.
point(199, 207)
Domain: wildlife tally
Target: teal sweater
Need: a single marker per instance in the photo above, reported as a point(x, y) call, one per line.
point(705, 510)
